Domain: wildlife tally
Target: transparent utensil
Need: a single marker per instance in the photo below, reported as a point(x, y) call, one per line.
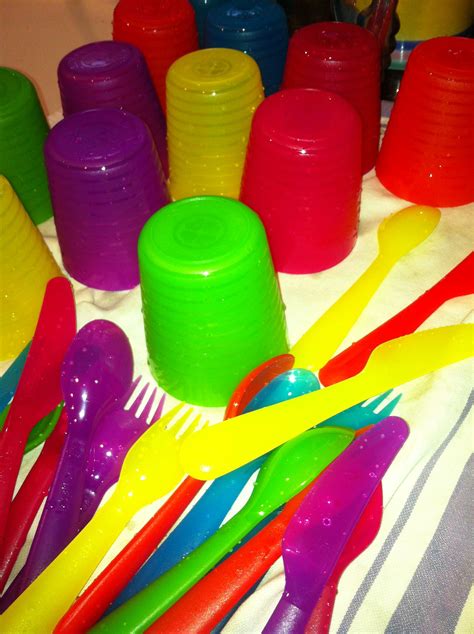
point(39, 389)
point(117, 428)
point(320, 528)
point(150, 470)
point(27, 501)
point(398, 234)
point(227, 445)
point(364, 533)
point(9, 379)
point(97, 369)
point(458, 282)
point(285, 472)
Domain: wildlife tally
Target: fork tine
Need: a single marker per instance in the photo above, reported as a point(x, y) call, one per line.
point(138, 400)
point(168, 417)
point(375, 402)
point(390, 406)
point(148, 406)
point(159, 410)
point(128, 394)
point(192, 427)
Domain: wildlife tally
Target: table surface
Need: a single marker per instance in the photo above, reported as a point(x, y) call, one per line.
point(417, 575)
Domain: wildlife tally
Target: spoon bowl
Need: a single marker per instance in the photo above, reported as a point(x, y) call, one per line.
point(96, 369)
point(397, 235)
point(404, 230)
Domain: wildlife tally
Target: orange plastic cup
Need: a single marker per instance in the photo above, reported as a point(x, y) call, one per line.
point(26, 265)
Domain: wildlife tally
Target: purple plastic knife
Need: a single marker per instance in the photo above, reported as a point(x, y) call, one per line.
point(323, 523)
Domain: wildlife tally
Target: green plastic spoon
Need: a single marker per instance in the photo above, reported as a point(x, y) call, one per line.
point(41, 431)
point(287, 471)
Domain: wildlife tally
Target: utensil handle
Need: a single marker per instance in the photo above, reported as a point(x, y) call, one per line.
point(459, 281)
point(9, 380)
point(28, 499)
point(12, 444)
point(58, 520)
point(286, 618)
point(50, 595)
point(202, 521)
point(212, 451)
point(209, 601)
point(144, 608)
point(320, 619)
point(320, 342)
point(92, 603)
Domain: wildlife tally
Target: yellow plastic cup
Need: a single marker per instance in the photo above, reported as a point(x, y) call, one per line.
point(211, 96)
point(26, 265)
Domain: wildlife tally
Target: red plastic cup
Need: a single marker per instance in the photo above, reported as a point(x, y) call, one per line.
point(163, 30)
point(303, 177)
point(427, 152)
point(345, 59)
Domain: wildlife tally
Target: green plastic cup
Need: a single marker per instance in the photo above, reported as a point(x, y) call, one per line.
point(212, 306)
point(23, 131)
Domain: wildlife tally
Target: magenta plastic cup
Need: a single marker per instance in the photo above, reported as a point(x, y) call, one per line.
point(427, 153)
point(106, 180)
point(345, 59)
point(303, 176)
point(112, 75)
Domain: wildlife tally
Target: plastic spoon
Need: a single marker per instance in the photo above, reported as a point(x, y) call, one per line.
point(224, 447)
point(27, 501)
point(320, 528)
point(97, 369)
point(210, 510)
point(255, 381)
point(201, 521)
point(211, 600)
point(458, 282)
point(39, 389)
point(41, 431)
point(286, 472)
point(9, 379)
point(150, 470)
point(361, 537)
point(398, 234)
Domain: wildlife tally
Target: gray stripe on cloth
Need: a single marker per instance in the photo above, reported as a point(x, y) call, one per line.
point(400, 523)
point(438, 591)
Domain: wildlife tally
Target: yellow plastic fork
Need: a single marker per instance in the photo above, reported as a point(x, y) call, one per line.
point(150, 470)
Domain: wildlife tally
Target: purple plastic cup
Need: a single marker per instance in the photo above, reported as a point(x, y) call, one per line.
point(106, 180)
point(112, 75)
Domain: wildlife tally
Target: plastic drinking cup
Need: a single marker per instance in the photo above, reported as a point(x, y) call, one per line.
point(345, 59)
point(106, 181)
point(211, 302)
point(212, 95)
point(23, 130)
point(303, 177)
point(256, 27)
point(112, 75)
point(26, 266)
point(163, 30)
point(427, 150)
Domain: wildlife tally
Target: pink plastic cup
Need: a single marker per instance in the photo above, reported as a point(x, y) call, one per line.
point(345, 59)
point(427, 153)
point(303, 177)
